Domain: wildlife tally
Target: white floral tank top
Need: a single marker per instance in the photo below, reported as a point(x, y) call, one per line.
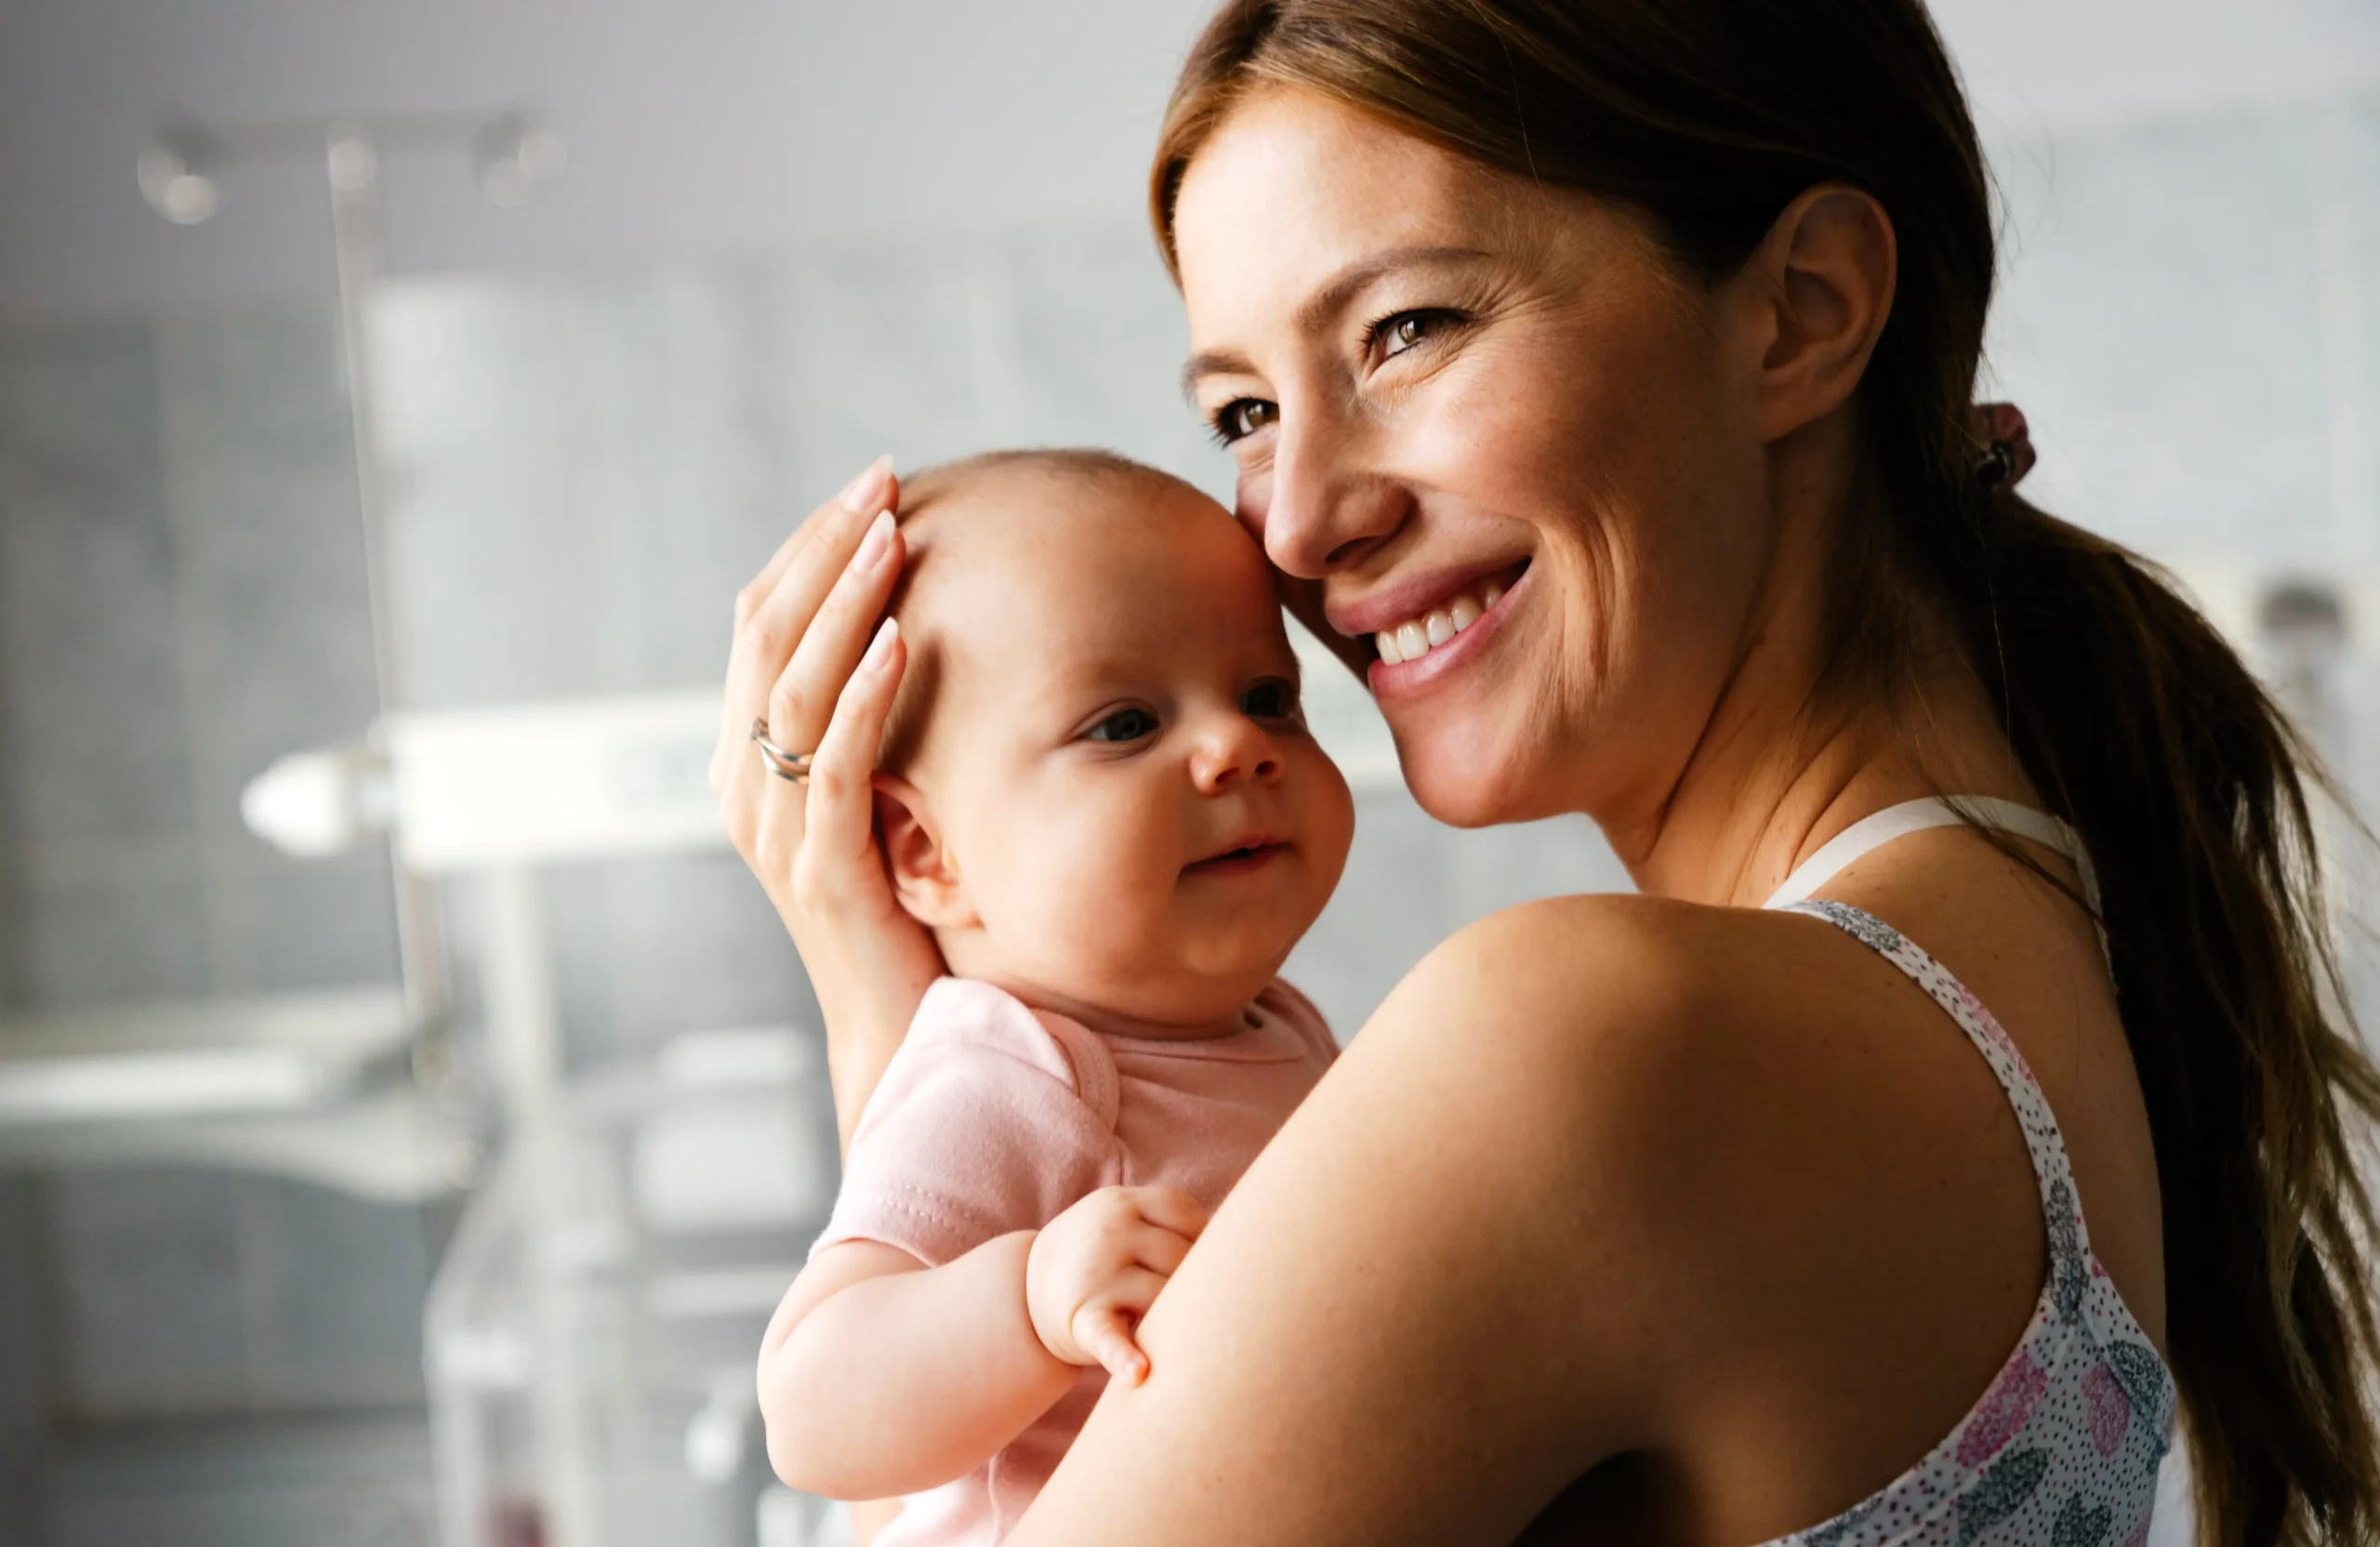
point(2064, 1448)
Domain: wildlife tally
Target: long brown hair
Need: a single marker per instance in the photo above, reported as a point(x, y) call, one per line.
point(2132, 717)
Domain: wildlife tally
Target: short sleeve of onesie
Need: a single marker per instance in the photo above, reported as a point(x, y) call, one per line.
point(985, 1122)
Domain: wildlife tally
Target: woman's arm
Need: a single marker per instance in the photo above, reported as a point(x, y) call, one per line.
point(1424, 1311)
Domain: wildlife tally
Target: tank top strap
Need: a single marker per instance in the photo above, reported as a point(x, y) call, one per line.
point(1869, 834)
point(2067, 1441)
point(2069, 1240)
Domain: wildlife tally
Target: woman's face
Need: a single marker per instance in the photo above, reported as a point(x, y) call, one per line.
point(1513, 441)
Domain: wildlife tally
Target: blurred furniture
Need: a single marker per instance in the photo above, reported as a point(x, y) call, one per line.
point(591, 1338)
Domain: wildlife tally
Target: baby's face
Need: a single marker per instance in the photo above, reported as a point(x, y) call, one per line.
point(1116, 768)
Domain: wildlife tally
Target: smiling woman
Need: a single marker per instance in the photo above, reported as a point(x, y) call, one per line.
point(1599, 374)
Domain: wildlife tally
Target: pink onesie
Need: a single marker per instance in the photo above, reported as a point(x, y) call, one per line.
point(995, 1118)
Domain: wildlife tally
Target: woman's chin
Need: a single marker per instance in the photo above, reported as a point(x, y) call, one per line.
point(1462, 793)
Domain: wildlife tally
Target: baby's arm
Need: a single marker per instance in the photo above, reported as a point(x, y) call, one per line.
point(881, 1375)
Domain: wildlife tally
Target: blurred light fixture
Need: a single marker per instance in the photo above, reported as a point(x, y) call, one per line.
point(178, 175)
point(352, 161)
point(310, 805)
point(193, 1083)
point(515, 157)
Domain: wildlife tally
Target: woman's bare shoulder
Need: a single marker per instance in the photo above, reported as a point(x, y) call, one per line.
point(1710, 1116)
point(1620, 1025)
point(1584, 1000)
point(1651, 1062)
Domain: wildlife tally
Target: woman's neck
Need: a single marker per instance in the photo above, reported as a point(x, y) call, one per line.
point(1783, 764)
point(1766, 789)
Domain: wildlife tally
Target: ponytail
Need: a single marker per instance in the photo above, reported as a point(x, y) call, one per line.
point(2143, 727)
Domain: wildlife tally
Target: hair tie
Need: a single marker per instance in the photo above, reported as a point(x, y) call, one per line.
point(2007, 445)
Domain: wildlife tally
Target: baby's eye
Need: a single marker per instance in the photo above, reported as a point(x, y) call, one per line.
point(1273, 698)
point(1123, 725)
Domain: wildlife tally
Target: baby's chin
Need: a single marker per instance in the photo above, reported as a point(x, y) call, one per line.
point(1191, 993)
point(1182, 996)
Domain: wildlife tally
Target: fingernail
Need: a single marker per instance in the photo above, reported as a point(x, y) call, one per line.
point(879, 650)
point(866, 493)
point(880, 537)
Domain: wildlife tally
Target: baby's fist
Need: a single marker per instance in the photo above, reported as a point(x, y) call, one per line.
point(1094, 1272)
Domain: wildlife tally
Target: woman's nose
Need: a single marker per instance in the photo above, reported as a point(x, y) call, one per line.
point(1237, 751)
point(1321, 507)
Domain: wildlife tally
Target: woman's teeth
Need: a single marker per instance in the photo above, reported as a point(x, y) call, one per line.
point(1410, 642)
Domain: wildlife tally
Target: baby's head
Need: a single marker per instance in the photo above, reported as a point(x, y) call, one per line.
point(1099, 790)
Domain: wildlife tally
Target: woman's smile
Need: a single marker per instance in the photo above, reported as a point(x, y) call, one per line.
point(1432, 642)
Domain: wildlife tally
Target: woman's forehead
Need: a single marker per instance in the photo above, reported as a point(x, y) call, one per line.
point(1296, 198)
point(1348, 179)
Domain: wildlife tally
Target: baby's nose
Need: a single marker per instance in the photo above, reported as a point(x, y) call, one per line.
point(1236, 751)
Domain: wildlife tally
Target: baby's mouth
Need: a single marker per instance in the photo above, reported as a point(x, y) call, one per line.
point(1242, 860)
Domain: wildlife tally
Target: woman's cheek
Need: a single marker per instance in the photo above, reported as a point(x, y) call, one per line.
point(1253, 500)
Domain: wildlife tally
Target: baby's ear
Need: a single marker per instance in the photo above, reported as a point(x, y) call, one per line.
point(925, 876)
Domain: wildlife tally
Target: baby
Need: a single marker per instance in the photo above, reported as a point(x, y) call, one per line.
point(1099, 795)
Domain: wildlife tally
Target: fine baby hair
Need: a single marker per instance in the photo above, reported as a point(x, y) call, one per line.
point(931, 499)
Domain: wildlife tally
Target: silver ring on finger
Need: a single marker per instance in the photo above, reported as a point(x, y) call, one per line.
point(794, 766)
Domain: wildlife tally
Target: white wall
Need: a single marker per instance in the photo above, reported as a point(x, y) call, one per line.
point(701, 126)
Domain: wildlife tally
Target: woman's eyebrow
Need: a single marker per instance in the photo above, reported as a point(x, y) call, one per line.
point(1327, 303)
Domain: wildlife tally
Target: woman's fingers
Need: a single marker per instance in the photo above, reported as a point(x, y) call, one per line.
point(773, 611)
point(772, 627)
point(863, 496)
point(840, 815)
point(804, 698)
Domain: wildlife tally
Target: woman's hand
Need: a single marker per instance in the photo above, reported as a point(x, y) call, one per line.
point(811, 661)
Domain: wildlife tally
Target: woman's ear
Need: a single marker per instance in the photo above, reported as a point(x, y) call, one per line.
point(924, 872)
point(1823, 282)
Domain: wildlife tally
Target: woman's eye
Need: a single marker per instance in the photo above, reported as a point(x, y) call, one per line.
point(1241, 418)
point(1123, 725)
point(1392, 336)
point(1274, 698)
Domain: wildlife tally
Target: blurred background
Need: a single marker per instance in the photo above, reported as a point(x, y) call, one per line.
point(399, 1146)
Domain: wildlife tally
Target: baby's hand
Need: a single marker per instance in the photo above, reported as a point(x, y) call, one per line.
point(1094, 1272)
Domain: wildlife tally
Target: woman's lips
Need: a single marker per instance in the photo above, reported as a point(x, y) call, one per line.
point(1447, 640)
point(1400, 603)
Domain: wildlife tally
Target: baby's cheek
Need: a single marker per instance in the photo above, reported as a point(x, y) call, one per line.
point(1103, 905)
